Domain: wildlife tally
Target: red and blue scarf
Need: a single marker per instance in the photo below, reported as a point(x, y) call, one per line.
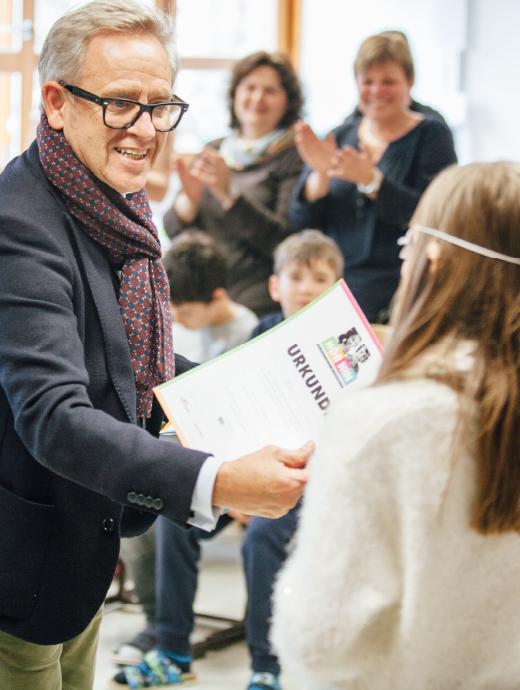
point(123, 226)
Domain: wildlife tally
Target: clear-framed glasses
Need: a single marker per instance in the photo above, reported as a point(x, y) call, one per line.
point(122, 113)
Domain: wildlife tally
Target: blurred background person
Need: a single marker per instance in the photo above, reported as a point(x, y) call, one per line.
point(305, 265)
point(206, 321)
point(362, 182)
point(414, 105)
point(238, 190)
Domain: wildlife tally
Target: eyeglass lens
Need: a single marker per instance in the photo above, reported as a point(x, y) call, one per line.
point(120, 114)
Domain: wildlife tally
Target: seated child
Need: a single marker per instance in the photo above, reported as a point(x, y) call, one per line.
point(206, 321)
point(306, 264)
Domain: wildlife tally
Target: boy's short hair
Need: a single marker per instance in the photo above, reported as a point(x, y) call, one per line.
point(196, 266)
point(306, 246)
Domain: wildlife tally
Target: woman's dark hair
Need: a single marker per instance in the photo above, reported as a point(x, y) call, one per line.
point(288, 79)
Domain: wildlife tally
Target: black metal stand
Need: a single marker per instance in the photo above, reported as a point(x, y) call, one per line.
point(220, 639)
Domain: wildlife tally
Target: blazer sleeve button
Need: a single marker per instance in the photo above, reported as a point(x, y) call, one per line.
point(131, 497)
point(148, 502)
point(140, 499)
point(108, 525)
point(158, 504)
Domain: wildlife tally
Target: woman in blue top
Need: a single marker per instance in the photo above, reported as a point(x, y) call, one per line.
point(361, 184)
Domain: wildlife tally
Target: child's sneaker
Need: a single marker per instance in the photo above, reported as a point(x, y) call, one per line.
point(157, 670)
point(264, 681)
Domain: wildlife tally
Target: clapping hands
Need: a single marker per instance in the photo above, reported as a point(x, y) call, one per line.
point(350, 164)
point(323, 156)
point(209, 169)
point(317, 153)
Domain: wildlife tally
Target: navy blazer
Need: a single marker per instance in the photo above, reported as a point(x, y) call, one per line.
point(367, 230)
point(76, 470)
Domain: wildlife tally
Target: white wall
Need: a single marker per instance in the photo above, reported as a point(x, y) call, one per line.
point(466, 53)
point(491, 76)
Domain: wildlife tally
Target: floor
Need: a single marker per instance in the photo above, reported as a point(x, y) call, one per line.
point(222, 593)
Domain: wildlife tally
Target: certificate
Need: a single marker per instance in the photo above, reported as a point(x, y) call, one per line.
point(277, 388)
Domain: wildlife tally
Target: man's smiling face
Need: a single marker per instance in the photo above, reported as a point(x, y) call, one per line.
point(125, 66)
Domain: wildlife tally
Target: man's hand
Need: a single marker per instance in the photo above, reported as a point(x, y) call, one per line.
point(267, 483)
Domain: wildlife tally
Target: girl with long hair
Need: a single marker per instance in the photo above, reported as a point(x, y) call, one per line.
point(406, 569)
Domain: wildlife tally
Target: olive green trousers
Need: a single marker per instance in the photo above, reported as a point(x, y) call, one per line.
point(67, 666)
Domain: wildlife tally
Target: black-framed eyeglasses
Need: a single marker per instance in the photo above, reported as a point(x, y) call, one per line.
point(122, 113)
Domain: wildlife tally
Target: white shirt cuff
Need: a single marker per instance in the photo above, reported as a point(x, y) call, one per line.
point(205, 515)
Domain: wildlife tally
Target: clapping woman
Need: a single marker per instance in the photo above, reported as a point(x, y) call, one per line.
point(405, 571)
point(239, 188)
point(362, 182)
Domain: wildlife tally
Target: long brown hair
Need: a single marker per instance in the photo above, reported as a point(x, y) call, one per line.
point(470, 297)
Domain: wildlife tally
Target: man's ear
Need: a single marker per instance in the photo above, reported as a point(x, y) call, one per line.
point(433, 252)
point(54, 100)
point(274, 288)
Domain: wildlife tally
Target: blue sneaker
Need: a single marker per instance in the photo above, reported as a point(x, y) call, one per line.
point(264, 681)
point(157, 670)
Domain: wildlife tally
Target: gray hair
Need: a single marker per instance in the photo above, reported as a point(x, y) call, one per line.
point(64, 49)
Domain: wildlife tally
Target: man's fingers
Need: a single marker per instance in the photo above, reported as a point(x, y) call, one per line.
point(297, 458)
point(301, 474)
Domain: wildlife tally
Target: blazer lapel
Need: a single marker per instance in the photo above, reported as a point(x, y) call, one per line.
point(98, 271)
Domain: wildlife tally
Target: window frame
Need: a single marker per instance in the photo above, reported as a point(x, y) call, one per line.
point(288, 40)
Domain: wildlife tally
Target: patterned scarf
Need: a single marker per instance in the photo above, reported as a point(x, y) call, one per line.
point(240, 154)
point(123, 225)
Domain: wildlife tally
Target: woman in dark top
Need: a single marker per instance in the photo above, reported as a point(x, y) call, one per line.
point(239, 188)
point(363, 181)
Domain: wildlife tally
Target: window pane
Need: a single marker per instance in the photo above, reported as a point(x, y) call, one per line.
point(11, 15)
point(225, 28)
point(207, 117)
point(46, 12)
point(10, 115)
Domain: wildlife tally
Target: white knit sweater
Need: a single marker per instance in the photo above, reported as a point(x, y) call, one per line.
point(388, 587)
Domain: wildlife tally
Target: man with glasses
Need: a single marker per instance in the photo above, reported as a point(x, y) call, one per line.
point(85, 335)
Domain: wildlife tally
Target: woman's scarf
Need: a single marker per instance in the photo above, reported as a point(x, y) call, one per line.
point(239, 154)
point(123, 226)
